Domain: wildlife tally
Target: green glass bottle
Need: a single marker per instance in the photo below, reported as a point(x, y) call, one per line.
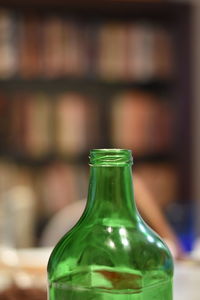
point(110, 254)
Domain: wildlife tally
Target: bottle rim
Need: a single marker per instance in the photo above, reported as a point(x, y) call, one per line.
point(110, 157)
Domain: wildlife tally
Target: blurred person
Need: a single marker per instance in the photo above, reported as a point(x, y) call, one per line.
point(64, 220)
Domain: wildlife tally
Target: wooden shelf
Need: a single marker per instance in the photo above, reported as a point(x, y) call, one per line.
point(166, 13)
point(82, 159)
point(82, 84)
point(128, 7)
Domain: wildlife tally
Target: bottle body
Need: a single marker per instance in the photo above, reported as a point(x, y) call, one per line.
point(111, 253)
point(90, 268)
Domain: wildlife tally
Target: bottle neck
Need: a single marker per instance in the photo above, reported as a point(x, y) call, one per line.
point(110, 194)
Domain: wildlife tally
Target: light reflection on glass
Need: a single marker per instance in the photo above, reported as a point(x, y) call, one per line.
point(142, 228)
point(111, 244)
point(150, 239)
point(122, 231)
point(159, 244)
point(109, 229)
point(125, 242)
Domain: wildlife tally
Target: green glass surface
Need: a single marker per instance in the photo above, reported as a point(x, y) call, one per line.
point(110, 253)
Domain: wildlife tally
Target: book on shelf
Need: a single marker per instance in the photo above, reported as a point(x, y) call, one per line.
point(112, 49)
point(76, 124)
point(8, 44)
point(71, 119)
point(17, 119)
point(29, 46)
point(4, 122)
point(38, 116)
point(141, 122)
point(30, 125)
point(76, 48)
point(140, 52)
point(163, 53)
point(52, 50)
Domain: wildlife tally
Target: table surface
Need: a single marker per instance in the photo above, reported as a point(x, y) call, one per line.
point(187, 281)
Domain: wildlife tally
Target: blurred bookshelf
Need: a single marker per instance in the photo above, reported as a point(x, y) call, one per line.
point(76, 76)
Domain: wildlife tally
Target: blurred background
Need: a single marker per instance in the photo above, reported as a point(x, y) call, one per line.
point(76, 76)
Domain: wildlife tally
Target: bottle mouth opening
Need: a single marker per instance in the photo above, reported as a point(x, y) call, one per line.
point(110, 157)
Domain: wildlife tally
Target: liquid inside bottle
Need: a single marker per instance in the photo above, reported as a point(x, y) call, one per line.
point(61, 289)
point(110, 253)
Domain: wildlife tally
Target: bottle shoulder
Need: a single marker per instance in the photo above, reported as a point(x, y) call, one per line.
point(135, 247)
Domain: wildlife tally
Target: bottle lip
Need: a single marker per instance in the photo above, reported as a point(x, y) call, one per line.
point(110, 157)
